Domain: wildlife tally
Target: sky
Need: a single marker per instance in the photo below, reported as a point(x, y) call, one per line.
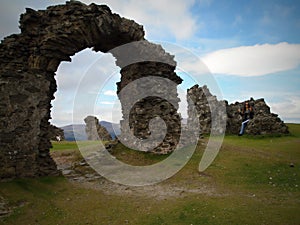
point(249, 48)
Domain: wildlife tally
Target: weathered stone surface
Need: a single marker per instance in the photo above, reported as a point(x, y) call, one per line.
point(208, 109)
point(264, 122)
point(94, 130)
point(55, 133)
point(153, 106)
point(28, 63)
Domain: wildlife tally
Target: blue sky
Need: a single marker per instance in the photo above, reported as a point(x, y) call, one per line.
point(251, 48)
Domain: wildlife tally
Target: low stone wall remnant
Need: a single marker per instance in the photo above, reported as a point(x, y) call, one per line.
point(264, 121)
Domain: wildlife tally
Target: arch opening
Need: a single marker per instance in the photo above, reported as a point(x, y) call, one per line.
point(68, 77)
point(30, 59)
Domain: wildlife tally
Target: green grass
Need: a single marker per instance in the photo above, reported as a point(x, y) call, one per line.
point(64, 145)
point(136, 158)
point(250, 182)
point(70, 145)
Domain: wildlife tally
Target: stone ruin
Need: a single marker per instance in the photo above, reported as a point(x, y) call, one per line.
point(94, 130)
point(207, 107)
point(30, 59)
point(264, 122)
point(55, 132)
point(138, 117)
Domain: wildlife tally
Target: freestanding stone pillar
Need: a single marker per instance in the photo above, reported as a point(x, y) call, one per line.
point(150, 60)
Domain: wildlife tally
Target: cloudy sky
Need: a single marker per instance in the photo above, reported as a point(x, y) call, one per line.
point(251, 48)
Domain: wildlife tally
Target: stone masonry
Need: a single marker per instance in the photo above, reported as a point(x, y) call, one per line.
point(150, 107)
point(264, 122)
point(208, 108)
point(94, 130)
point(55, 132)
point(29, 61)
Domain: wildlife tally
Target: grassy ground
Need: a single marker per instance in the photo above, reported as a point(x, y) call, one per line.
point(252, 181)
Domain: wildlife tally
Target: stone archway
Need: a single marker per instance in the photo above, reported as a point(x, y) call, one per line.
point(29, 61)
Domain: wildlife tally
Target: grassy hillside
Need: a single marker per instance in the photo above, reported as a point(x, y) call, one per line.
point(253, 180)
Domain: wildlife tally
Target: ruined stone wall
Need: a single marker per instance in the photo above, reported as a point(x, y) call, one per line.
point(54, 132)
point(264, 122)
point(94, 130)
point(152, 107)
point(209, 110)
point(160, 98)
point(28, 63)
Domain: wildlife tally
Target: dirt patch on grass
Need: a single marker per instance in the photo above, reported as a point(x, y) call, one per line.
point(77, 171)
point(158, 191)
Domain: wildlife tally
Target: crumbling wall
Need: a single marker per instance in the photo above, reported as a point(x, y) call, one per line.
point(94, 130)
point(155, 63)
point(264, 122)
point(210, 111)
point(56, 133)
point(29, 61)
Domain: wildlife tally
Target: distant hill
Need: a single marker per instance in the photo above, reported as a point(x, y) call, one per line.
point(78, 130)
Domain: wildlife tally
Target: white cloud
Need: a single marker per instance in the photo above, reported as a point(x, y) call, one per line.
point(110, 93)
point(159, 18)
point(289, 109)
point(109, 112)
point(254, 60)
